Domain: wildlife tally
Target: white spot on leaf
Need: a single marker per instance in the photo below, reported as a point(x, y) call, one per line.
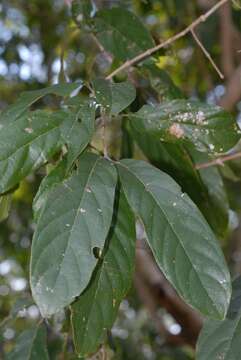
point(28, 130)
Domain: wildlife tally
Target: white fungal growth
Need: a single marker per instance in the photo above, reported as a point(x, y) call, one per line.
point(79, 17)
point(82, 210)
point(185, 116)
point(176, 130)
point(223, 281)
point(28, 130)
point(200, 117)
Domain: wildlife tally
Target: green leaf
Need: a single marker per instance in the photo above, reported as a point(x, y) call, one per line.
point(103, 93)
point(96, 309)
point(35, 137)
point(74, 223)
point(27, 143)
point(123, 94)
point(114, 97)
point(80, 131)
point(216, 206)
point(5, 204)
point(127, 143)
point(221, 339)
point(121, 33)
point(30, 345)
point(181, 240)
point(208, 128)
point(48, 183)
point(205, 187)
point(27, 98)
point(160, 81)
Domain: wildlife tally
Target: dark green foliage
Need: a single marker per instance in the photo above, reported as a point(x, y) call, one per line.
point(221, 339)
point(195, 268)
point(87, 204)
point(81, 204)
point(30, 345)
point(96, 309)
point(121, 33)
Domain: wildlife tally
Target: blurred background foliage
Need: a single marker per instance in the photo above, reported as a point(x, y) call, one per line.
point(40, 44)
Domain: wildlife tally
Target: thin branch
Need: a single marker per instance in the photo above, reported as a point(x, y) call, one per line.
point(101, 48)
point(169, 41)
point(104, 119)
point(233, 91)
point(5, 321)
point(227, 39)
point(219, 161)
point(206, 53)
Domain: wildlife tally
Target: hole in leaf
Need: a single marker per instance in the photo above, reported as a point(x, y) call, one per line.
point(97, 252)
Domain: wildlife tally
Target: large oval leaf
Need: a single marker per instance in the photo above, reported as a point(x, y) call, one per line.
point(121, 33)
point(31, 140)
point(180, 238)
point(30, 345)
point(96, 309)
point(27, 98)
point(221, 339)
point(27, 143)
point(74, 221)
point(208, 128)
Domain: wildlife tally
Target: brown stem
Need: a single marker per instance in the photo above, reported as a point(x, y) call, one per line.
point(219, 161)
point(226, 37)
point(206, 53)
point(169, 41)
point(233, 91)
